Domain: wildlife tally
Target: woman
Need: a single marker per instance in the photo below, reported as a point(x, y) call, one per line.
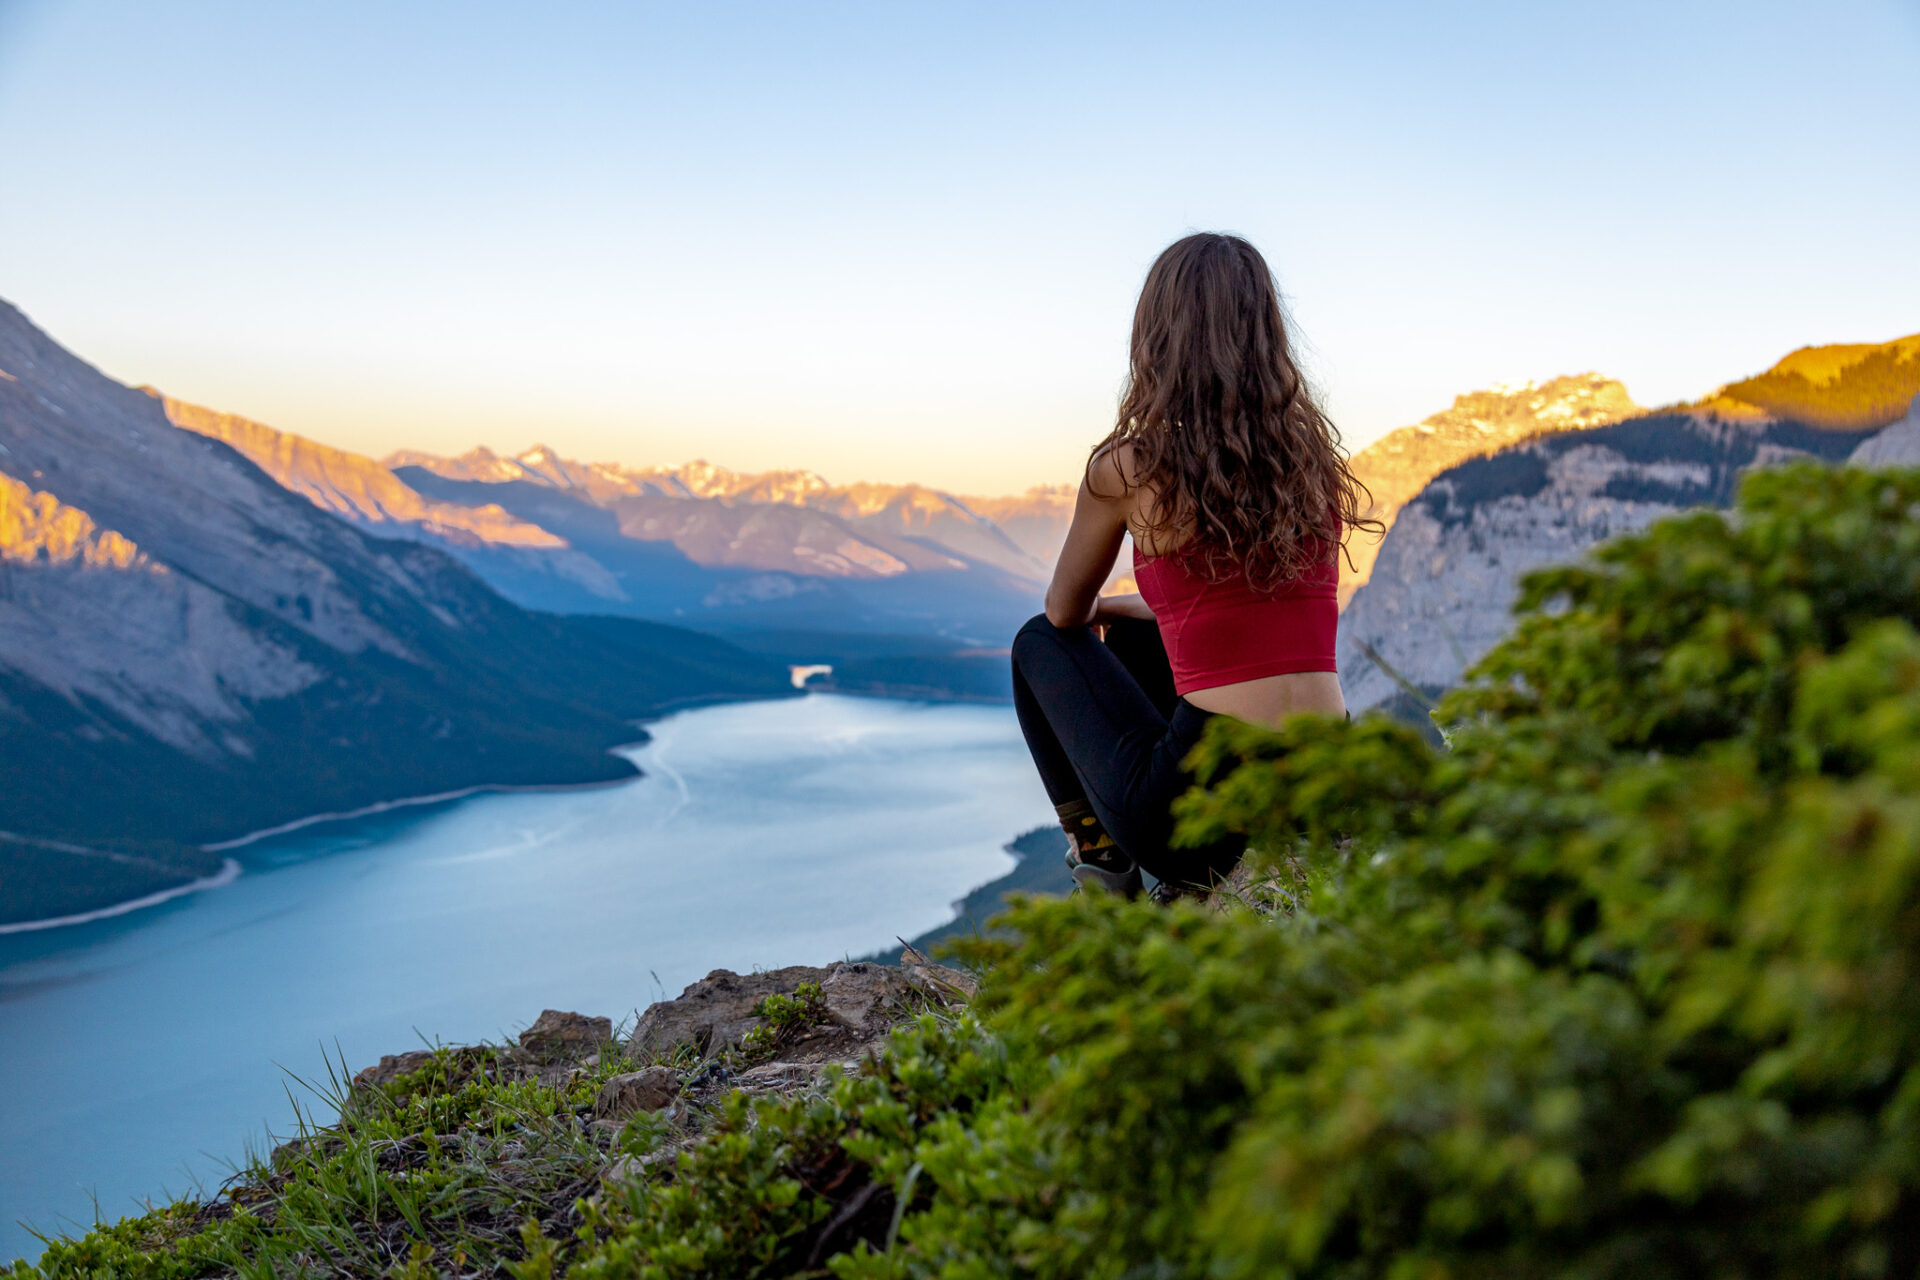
point(1235, 490)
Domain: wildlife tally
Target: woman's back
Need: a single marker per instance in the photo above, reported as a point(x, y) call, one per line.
point(1238, 649)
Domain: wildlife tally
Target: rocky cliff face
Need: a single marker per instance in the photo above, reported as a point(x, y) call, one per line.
point(1398, 466)
point(189, 650)
point(1442, 587)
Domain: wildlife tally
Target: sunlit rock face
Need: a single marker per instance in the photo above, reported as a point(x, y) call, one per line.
point(85, 614)
point(39, 529)
point(1399, 465)
point(348, 484)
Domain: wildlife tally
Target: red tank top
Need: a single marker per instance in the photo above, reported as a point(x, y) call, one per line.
point(1224, 632)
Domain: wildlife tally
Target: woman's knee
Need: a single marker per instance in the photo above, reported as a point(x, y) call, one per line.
point(1037, 630)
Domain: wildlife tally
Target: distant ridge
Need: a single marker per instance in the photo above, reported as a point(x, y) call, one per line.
point(777, 549)
point(1849, 386)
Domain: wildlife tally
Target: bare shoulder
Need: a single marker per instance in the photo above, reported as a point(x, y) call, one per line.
point(1111, 475)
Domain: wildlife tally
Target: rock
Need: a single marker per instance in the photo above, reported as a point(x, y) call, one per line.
point(859, 995)
point(780, 1077)
point(1896, 446)
point(947, 985)
point(636, 1091)
point(718, 1010)
point(572, 1034)
point(391, 1067)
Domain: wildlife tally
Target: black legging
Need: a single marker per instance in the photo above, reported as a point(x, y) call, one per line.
point(1105, 725)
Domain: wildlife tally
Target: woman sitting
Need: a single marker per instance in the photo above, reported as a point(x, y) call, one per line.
point(1232, 483)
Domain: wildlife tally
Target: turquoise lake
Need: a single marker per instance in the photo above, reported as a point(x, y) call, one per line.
point(140, 1055)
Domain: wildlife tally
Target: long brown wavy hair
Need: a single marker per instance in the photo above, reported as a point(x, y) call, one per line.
point(1247, 473)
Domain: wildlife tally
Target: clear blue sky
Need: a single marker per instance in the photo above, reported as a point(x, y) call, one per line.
point(901, 241)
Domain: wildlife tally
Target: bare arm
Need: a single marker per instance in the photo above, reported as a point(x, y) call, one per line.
point(1093, 540)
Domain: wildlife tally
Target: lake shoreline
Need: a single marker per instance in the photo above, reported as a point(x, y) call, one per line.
point(230, 869)
point(229, 872)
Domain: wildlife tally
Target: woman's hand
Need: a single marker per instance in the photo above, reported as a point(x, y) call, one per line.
point(1113, 608)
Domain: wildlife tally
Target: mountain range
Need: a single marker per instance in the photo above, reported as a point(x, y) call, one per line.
point(734, 552)
point(190, 649)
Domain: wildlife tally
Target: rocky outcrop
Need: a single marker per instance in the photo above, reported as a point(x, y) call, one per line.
point(555, 1033)
point(717, 1012)
point(632, 1092)
point(1400, 464)
point(686, 1054)
point(1443, 587)
point(1896, 445)
point(391, 1067)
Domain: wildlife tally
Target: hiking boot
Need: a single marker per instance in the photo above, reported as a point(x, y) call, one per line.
point(1106, 870)
point(1097, 863)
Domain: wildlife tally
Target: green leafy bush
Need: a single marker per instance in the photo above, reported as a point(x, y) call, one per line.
point(784, 1020)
